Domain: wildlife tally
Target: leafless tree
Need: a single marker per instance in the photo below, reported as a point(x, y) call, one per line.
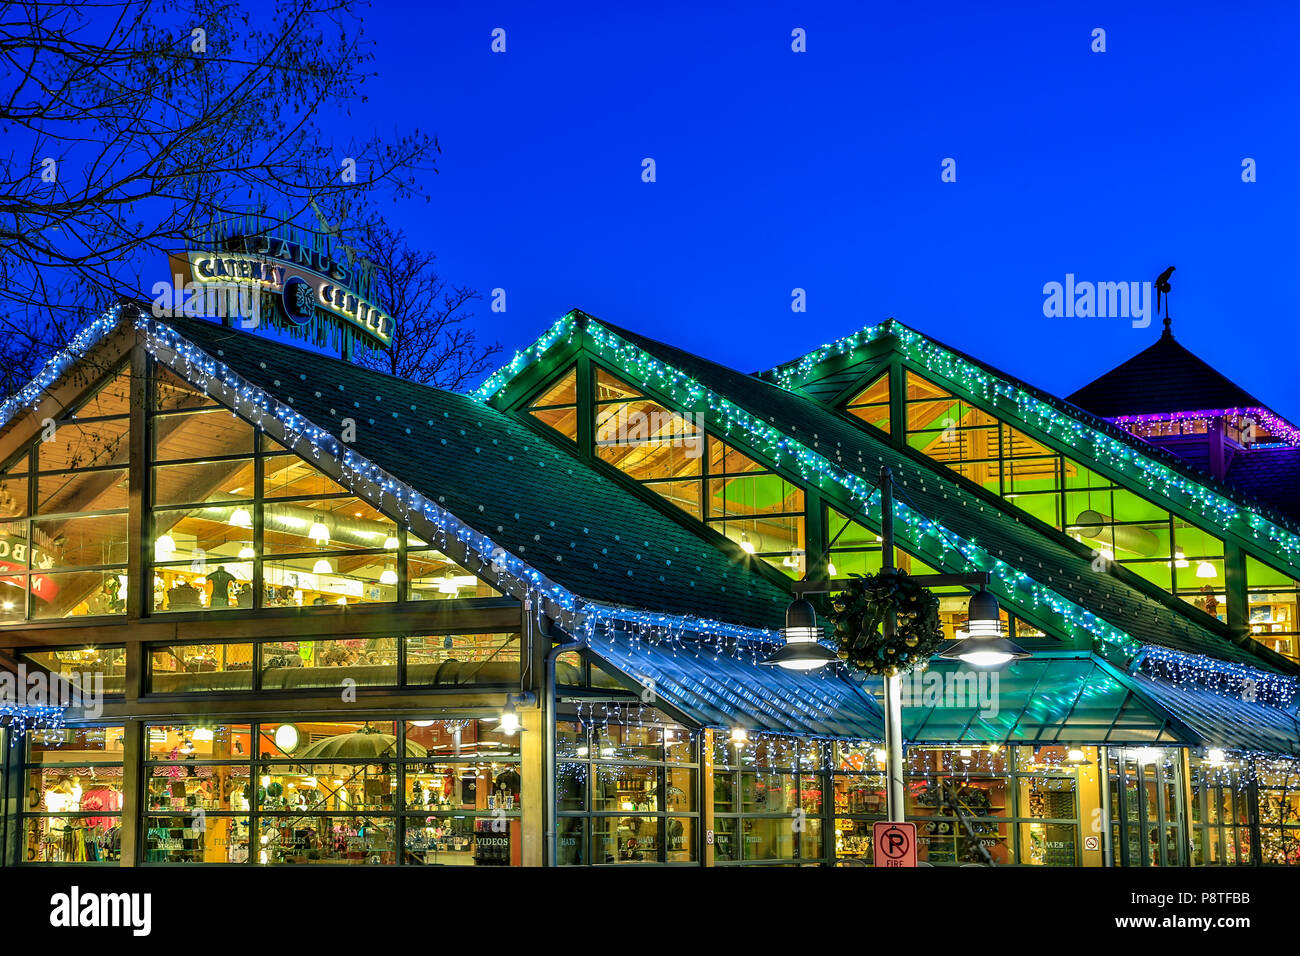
point(132, 128)
point(433, 341)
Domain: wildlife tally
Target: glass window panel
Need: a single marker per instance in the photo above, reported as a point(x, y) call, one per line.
point(432, 576)
point(724, 459)
point(203, 584)
point(204, 482)
point(460, 840)
point(70, 840)
point(464, 739)
point(563, 420)
point(188, 668)
point(767, 839)
point(563, 392)
point(328, 578)
point(337, 786)
point(77, 593)
point(434, 785)
point(659, 459)
point(642, 421)
point(288, 476)
point(610, 388)
point(209, 741)
point(777, 535)
point(90, 445)
point(333, 840)
point(681, 494)
point(876, 393)
point(875, 415)
point(631, 839)
point(171, 393)
point(753, 494)
point(448, 659)
point(112, 398)
point(107, 490)
point(211, 838)
point(203, 535)
point(13, 497)
point(336, 524)
point(209, 434)
point(100, 663)
point(292, 665)
point(680, 839)
point(342, 740)
point(75, 745)
point(186, 787)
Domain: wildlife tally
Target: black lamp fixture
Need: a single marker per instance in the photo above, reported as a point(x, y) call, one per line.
point(983, 642)
point(801, 652)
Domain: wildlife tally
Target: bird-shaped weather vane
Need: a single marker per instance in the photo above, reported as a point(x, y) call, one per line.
point(1162, 291)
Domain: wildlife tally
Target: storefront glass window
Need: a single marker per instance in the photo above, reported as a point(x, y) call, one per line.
point(1220, 812)
point(767, 799)
point(422, 791)
point(72, 808)
point(626, 792)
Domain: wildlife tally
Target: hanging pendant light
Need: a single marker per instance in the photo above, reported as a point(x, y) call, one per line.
point(322, 567)
point(1206, 570)
point(982, 643)
point(318, 532)
point(388, 576)
point(802, 650)
point(240, 518)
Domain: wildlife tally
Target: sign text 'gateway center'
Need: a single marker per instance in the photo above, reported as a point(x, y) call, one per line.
point(300, 649)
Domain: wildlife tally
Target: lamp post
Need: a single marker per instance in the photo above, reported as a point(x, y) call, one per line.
point(982, 644)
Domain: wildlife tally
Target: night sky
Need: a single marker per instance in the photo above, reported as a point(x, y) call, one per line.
point(821, 170)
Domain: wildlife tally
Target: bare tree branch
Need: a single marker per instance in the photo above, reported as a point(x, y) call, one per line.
point(432, 342)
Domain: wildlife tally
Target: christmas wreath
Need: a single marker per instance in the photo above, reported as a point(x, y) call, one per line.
point(859, 611)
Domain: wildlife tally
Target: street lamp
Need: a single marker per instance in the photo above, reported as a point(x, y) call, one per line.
point(982, 643)
point(801, 652)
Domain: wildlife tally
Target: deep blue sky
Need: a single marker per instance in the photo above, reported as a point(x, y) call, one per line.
point(822, 170)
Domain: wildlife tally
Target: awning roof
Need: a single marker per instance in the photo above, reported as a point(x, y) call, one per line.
point(1225, 721)
point(1057, 700)
point(722, 691)
point(1043, 700)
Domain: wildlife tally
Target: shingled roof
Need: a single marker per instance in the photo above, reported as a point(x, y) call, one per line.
point(535, 499)
point(1041, 553)
point(1163, 378)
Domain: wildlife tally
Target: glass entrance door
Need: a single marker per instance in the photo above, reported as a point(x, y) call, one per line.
point(1149, 817)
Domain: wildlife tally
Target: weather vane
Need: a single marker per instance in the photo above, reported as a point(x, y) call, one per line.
point(1162, 290)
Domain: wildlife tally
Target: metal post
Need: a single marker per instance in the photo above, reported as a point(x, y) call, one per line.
point(893, 684)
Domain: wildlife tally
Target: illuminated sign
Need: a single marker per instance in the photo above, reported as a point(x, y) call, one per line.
point(305, 287)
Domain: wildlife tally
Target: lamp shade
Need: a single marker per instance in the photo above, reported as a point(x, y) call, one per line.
point(801, 652)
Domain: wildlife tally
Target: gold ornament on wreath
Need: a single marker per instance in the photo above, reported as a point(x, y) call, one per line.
point(858, 614)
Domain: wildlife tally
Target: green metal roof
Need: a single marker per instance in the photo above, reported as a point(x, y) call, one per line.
point(497, 475)
point(726, 690)
point(1049, 559)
